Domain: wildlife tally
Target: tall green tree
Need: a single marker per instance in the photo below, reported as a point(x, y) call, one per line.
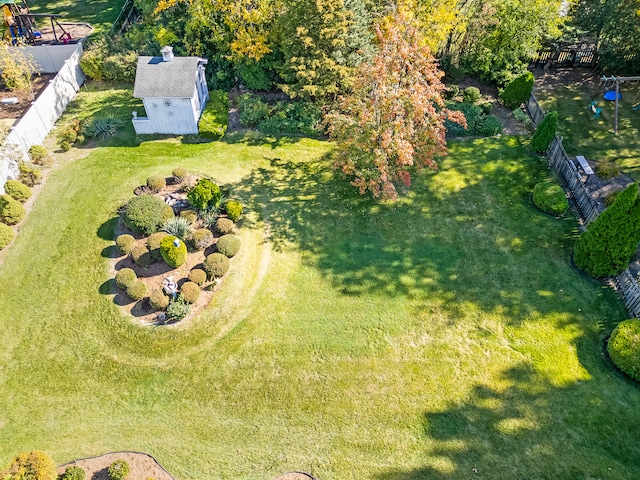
point(392, 123)
point(614, 26)
point(611, 239)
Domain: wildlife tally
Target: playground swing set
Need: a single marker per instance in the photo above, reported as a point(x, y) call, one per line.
point(21, 23)
point(611, 87)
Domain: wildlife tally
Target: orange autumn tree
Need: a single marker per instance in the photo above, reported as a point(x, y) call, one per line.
point(392, 124)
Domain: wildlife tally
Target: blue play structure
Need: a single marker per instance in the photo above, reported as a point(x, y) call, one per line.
point(611, 95)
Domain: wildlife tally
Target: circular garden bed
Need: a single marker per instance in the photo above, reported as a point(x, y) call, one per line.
point(174, 244)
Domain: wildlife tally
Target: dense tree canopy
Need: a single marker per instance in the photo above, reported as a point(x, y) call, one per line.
point(392, 123)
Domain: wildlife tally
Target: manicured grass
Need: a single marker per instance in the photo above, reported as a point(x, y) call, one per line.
point(99, 13)
point(414, 340)
point(594, 138)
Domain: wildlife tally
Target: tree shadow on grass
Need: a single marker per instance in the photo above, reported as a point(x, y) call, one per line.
point(467, 235)
point(529, 428)
point(107, 230)
point(254, 138)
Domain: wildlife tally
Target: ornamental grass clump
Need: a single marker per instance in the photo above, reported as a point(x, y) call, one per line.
point(605, 169)
point(173, 251)
point(550, 198)
point(125, 278)
point(624, 347)
point(177, 226)
point(125, 243)
point(102, 127)
point(17, 190)
point(145, 214)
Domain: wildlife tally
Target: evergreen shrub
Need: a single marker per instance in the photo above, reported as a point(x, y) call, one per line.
point(118, 470)
point(156, 183)
point(607, 245)
point(74, 472)
point(125, 278)
point(545, 132)
point(550, 198)
point(125, 243)
point(517, 91)
point(190, 292)
point(180, 173)
point(153, 244)
point(197, 276)
point(624, 347)
point(146, 213)
point(29, 175)
point(233, 209)
point(6, 235)
point(471, 94)
point(204, 194)
point(11, 211)
point(216, 265)
point(202, 238)
point(158, 300)
point(39, 155)
point(177, 309)
point(137, 290)
point(190, 215)
point(173, 255)
point(17, 190)
point(33, 465)
point(228, 245)
point(141, 256)
point(224, 225)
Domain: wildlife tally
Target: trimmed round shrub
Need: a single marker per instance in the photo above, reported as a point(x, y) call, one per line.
point(141, 256)
point(471, 94)
point(39, 155)
point(544, 133)
point(17, 190)
point(118, 470)
point(216, 265)
point(224, 225)
point(189, 215)
point(29, 175)
point(228, 245)
point(65, 146)
point(190, 292)
point(34, 465)
point(137, 290)
point(624, 347)
point(605, 169)
point(177, 309)
point(234, 210)
point(517, 91)
point(11, 211)
point(153, 244)
point(156, 183)
point(6, 235)
point(180, 173)
point(158, 300)
point(146, 213)
point(125, 243)
point(202, 238)
point(125, 278)
point(197, 276)
point(204, 194)
point(550, 198)
point(74, 472)
point(174, 255)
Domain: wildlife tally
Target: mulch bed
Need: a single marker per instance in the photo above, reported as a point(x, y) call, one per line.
point(142, 466)
point(13, 112)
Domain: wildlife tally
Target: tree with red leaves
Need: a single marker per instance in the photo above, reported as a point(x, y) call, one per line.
point(392, 124)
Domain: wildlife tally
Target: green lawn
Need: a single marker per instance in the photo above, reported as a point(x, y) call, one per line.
point(99, 13)
point(594, 138)
point(353, 339)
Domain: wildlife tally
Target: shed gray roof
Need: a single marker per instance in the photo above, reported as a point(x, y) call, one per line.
point(155, 78)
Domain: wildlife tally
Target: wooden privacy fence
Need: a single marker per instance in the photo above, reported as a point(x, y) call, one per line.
point(625, 283)
point(566, 57)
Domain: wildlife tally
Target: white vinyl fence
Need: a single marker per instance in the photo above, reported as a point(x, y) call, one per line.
point(43, 113)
